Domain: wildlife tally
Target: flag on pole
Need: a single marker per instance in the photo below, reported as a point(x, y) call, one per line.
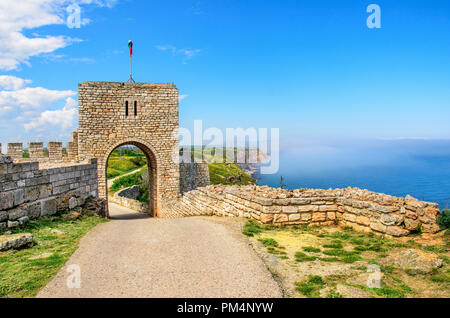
point(130, 47)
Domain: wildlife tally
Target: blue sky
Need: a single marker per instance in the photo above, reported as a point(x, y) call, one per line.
point(311, 68)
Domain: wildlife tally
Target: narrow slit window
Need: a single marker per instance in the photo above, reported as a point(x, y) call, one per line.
point(135, 108)
point(126, 108)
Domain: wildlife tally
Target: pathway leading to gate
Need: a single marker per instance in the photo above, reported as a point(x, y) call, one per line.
point(136, 256)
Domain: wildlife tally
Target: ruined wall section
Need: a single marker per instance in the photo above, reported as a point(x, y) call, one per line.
point(27, 192)
point(363, 210)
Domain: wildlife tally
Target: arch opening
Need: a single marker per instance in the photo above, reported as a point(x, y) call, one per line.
point(131, 164)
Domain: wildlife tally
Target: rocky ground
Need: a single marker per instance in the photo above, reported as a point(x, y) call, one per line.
point(334, 262)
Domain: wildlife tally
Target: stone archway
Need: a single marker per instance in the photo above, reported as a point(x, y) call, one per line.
point(141, 114)
point(152, 163)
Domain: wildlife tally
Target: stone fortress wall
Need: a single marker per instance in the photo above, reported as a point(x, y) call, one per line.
point(28, 192)
point(55, 157)
point(363, 210)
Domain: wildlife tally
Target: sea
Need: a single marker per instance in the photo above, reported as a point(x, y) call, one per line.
point(399, 167)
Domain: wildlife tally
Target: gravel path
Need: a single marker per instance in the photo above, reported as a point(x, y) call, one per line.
point(136, 256)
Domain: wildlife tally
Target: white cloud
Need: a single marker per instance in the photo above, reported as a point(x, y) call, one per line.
point(17, 16)
point(32, 97)
point(12, 82)
point(181, 97)
point(4, 109)
point(63, 118)
point(186, 53)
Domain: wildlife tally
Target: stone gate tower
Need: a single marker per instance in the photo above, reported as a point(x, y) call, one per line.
point(140, 114)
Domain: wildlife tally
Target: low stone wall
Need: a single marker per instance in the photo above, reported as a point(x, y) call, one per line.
point(363, 210)
point(27, 192)
point(123, 198)
point(55, 152)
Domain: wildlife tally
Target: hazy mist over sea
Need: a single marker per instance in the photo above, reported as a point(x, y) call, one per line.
point(417, 167)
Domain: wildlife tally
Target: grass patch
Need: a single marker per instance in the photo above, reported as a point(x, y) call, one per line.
point(330, 259)
point(122, 165)
point(311, 287)
point(228, 174)
point(334, 244)
point(22, 277)
point(338, 252)
point(334, 294)
point(268, 242)
point(311, 249)
point(251, 228)
point(436, 248)
point(351, 258)
point(126, 181)
point(388, 292)
point(301, 257)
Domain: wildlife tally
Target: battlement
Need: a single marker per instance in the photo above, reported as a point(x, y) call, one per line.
point(52, 155)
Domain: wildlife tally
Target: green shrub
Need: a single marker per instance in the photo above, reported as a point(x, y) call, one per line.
point(252, 228)
point(444, 219)
point(311, 287)
point(337, 252)
point(268, 242)
point(311, 249)
point(301, 257)
point(334, 244)
point(126, 181)
point(228, 174)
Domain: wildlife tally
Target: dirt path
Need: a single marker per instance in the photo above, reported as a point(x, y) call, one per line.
point(110, 181)
point(136, 256)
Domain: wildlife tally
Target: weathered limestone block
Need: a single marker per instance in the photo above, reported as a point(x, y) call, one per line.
point(16, 214)
point(280, 218)
point(363, 220)
point(48, 207)
point(294, 217)
point(290, 209)
point(430, 228)
point(33, 210)
point(19, 196)
point(378, 227)
point(15, 241)
point(12, 224)
point(267, 218)
point(306, 217)
point(300, 201)
point(319, 217)
point(331, 216)
point(308, 208)
point(6, 200)
point(396, 231)
point(350, 217)
point(328, 208)
point(3, 216)
point(31, 194)
point(391, 219)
